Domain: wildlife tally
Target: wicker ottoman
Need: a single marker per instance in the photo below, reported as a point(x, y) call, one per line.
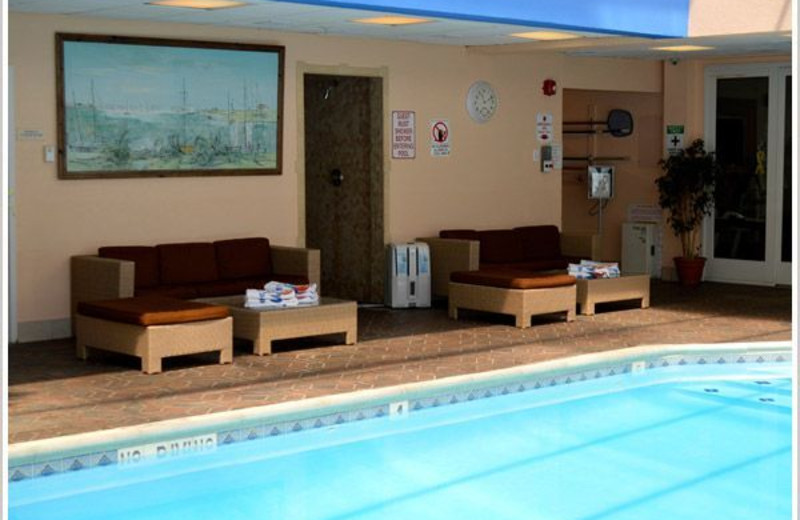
point(153, 328)
point(520, 294)
point(601, 290)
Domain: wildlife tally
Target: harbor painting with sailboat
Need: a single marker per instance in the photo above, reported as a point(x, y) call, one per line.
point(157, 110)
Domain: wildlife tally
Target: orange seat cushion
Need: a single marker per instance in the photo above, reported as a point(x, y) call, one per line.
point(512, 279)
point(151, 310)
point(555, 264)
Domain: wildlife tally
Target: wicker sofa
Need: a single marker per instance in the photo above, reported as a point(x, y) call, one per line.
point(189, 270)
point(533, 249)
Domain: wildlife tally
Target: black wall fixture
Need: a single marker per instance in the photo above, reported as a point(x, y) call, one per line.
point(619, 123)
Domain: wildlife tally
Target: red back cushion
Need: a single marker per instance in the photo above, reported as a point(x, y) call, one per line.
point(540, 242)
point(461, 234)
point(145, 258)
point(187, 263)
point(243, 258)
point(500, 246)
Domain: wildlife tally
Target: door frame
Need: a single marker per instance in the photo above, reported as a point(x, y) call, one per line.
point(10, 218)
point(300, 161)
point(748, 271)
point(377, 261)
point(783, 270)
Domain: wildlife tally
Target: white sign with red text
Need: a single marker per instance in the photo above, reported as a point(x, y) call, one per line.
point(404, 139)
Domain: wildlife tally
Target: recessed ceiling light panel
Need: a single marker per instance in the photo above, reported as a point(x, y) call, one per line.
point(547, 35)
point(392, 20)
point(683, 48)
point(199, 4)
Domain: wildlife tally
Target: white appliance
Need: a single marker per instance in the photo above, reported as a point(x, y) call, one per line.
point(641, 249)
point(408, 276)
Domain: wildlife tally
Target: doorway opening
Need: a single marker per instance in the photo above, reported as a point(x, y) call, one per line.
point(748, 117)
point(344, 195)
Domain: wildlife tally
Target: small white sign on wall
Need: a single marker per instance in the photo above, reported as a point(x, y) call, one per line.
point(440, 137)
point(674, 139)
point(404, 140)
point(30, 135)
point(544, 127)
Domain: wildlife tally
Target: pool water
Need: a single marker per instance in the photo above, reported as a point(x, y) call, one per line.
point(702, 448)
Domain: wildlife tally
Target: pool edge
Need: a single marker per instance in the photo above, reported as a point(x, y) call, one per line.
point(374, 401)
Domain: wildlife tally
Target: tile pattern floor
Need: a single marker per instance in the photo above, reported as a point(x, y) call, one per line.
point(51, 393)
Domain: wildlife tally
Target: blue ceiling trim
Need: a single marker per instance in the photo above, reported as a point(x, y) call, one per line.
point(643, 18)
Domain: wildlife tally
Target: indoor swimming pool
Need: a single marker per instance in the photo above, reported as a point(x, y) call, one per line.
point(700, 441)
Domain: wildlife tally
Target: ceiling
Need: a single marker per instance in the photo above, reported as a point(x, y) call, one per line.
point(335, 20)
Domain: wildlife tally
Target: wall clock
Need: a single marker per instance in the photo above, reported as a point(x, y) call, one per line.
point(481, 101)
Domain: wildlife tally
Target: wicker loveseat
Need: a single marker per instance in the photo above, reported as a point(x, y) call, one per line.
point(532, 249)
point(189, 270)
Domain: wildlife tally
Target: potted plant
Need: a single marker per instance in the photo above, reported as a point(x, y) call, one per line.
point(686, 190)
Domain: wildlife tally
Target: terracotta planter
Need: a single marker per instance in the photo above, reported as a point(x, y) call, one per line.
point(690, 270)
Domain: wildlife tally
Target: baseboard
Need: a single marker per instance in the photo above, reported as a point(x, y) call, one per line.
point(29, 331)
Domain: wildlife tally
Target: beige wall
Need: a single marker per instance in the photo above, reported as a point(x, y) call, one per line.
point(635, 177)
point(710, 17)
point(684, 104)
point(612, 74)
point(490, 180)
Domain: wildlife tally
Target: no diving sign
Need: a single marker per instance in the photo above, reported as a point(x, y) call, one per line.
point(440, 137)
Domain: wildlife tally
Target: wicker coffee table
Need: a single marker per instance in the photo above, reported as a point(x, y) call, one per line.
point(262, 326)
point(601, 290)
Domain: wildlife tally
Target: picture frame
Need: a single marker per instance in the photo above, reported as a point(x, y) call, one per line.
point(150, 107)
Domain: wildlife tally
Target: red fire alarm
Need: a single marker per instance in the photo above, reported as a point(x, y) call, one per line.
point(549, 87)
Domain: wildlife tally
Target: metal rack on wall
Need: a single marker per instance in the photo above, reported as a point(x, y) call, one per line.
point(591, 160)
point(618, 123)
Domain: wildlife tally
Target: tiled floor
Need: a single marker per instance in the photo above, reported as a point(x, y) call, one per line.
point(51, 393)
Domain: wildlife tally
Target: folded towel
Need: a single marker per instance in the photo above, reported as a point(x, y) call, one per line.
point(305, 289)
point(278, 287)
point(589, 269)
point(270, 305)
point(259, 295)
point(580, 272)
point(279, 295)
point(308, 300)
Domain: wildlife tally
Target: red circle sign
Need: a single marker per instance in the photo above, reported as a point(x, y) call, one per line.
point(439, 131)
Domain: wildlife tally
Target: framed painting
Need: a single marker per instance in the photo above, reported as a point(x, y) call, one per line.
point(145, 107)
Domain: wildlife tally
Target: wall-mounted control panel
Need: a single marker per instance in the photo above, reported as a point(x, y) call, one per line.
point(548, 164)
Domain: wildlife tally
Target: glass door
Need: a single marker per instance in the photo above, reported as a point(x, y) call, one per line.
point(748, 237)
point(784, 269)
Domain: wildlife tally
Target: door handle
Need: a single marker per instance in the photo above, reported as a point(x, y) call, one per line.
point(336, 177)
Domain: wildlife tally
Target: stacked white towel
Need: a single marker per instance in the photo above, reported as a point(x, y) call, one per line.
point(307, 294)
point(589, 270)
point(277, 295)
point(263, 298)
